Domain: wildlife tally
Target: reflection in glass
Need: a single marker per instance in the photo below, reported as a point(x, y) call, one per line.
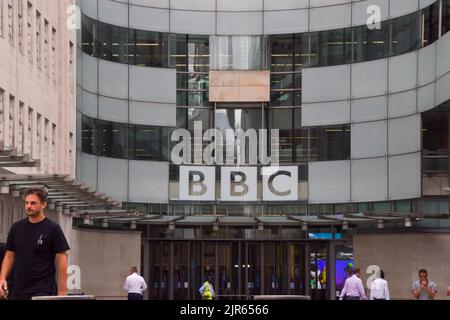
point(445, 16)
point(190, 53)
point(124, 141)
point(203, 115)
point(145, 143)
point(193, 81)
point(193, 98)
point(238, 119)
point(112, 140)
point(112, 43)
point(405, 34)
point(430, 20)
point(370, 44)
point(88, 28)
point(435, 139)
point(148, 49)
point(88, 135)
point(237, 52)
point(335, 47)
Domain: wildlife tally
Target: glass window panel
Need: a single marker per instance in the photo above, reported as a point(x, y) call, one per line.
point(104, 40)
point(370, 44)
point(363, 207)
point(445, 16)
point(381, 206)
point(198, 53)
point(112, 43)
point(203, 115)
point(297, 80)
point(342, 208)
point(334, 47)
point(333, 143)
point(281, 81)
point(435, 139)
point(88, 135)
point(238, 119)
point(178, 53)
point(281, 98)
point(282, 56)
point(403, 206)
point(301, 51)
point(430, 18)
point(405, 34)
point(119, 45)
point(200, 98)
point(182, 118)
point(297, 98)
point(429, 206)
point(301, 145)
point(435, 131)
point(238, 52)
point(282, 119)
point(141, 207)
point(148, 49)
point(88, 27)
point(182, 98)
point(146, 143)
point(443, 206)
point(314, 49)
point(113, 139)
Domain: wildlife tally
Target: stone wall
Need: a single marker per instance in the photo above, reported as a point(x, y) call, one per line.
point(401, 256)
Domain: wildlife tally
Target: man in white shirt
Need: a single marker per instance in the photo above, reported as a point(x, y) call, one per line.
point(353, 287)
point(135, 285)
point(379, 288)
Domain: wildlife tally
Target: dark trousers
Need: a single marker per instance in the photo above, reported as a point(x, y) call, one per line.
point(134, 296)
point(352, 298)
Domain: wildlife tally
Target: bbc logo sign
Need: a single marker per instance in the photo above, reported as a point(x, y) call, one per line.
point(198, 183)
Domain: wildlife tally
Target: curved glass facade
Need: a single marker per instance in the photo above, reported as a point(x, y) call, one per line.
point(285, 55)
point(311, 49)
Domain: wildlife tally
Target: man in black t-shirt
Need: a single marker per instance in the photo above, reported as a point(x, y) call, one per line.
point(33, 246)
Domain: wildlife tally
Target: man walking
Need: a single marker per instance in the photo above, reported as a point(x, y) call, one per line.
point(379, 288)
point(424, 289)
point(33, 246)
point(135, 285)
point(353, 287)
point(207, 290)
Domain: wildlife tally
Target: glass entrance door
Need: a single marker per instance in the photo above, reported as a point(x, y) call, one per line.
point(318, 261)
point(181, 270)
point(238, 269)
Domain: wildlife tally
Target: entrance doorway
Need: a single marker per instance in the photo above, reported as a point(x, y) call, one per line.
point(239, 269)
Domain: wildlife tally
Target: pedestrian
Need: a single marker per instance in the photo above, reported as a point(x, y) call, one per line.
point(135, 285)
point(353, 287)
point(33, 246)
point(424, 289)
point(379, 289)
point(207, 290)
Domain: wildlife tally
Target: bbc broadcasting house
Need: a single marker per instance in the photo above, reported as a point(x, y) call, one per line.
point(269, 144)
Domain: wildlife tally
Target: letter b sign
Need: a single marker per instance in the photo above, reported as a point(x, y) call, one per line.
point(197, 183)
